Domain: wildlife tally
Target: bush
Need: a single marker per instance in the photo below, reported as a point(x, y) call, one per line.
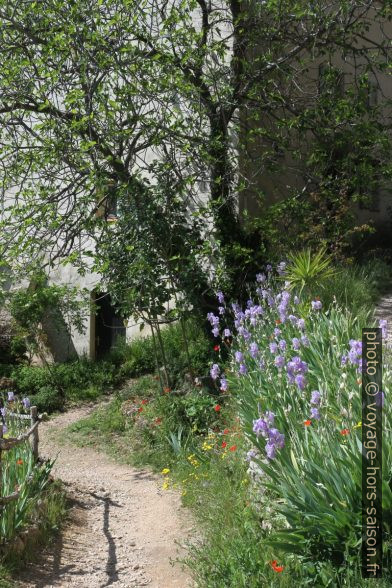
point(47, 399)
point(138, 357)
point(50, 387)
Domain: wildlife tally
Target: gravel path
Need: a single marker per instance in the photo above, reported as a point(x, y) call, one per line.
point(122, 528)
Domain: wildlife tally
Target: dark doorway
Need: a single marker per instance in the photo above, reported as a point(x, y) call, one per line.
point(109, 326)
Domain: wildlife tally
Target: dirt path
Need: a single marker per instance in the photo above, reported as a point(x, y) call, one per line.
point(122, 527)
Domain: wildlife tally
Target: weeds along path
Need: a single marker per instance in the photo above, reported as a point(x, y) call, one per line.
point(122, 527)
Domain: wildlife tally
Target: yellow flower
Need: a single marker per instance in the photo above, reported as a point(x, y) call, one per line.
point(165, 485)
point(358, 425)
point(206, 446)
point(183, 493)
point(165, 471)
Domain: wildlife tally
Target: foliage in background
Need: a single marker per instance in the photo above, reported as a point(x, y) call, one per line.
point(346, 165)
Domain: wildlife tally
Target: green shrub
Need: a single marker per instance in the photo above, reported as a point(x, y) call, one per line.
point(50, 387)
point(47, 399)
point(138, 357)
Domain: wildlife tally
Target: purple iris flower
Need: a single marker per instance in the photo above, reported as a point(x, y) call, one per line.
point(260, 427)
point(242, 370)
point(224, 385)
point(281, 268)
point(315, 414)
point(215, 371)
point(11, 397)
point(277, 332)
point(221, 298)
point(239, 356)
point(383, 325)
point(26, 402)
point(300, 381)
point(215, 331)
point(273, 347)
point(253, 350)
point(282, 345)
point(316, 305)
point(296, 343)
point(305, 341)
point(270, 450)
point(260, 278)
point(279, 361)
point(315, 398)
point(227, 333)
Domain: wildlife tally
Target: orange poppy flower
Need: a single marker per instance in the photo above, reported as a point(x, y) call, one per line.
point(344, 431)
point(307, 423)
point(233, 448)
point(275, 567)
point(225, 431)
point(19, 461)
point(224, 444)
point(217, 407)
point(167, 389)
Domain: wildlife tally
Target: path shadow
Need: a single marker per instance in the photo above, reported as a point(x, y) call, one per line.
point(47, 568)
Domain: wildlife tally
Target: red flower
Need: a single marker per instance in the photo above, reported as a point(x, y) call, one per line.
point(224, 444)
point(158, 421)
point(217, 407)
point(145, 401)
point(140, 409)
point(216, 348)
point(275, 567)
point(167, 390)
point(307, 423)
point(233, 448)
point(225, 431)
point(344, 431)
point(19, 461)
